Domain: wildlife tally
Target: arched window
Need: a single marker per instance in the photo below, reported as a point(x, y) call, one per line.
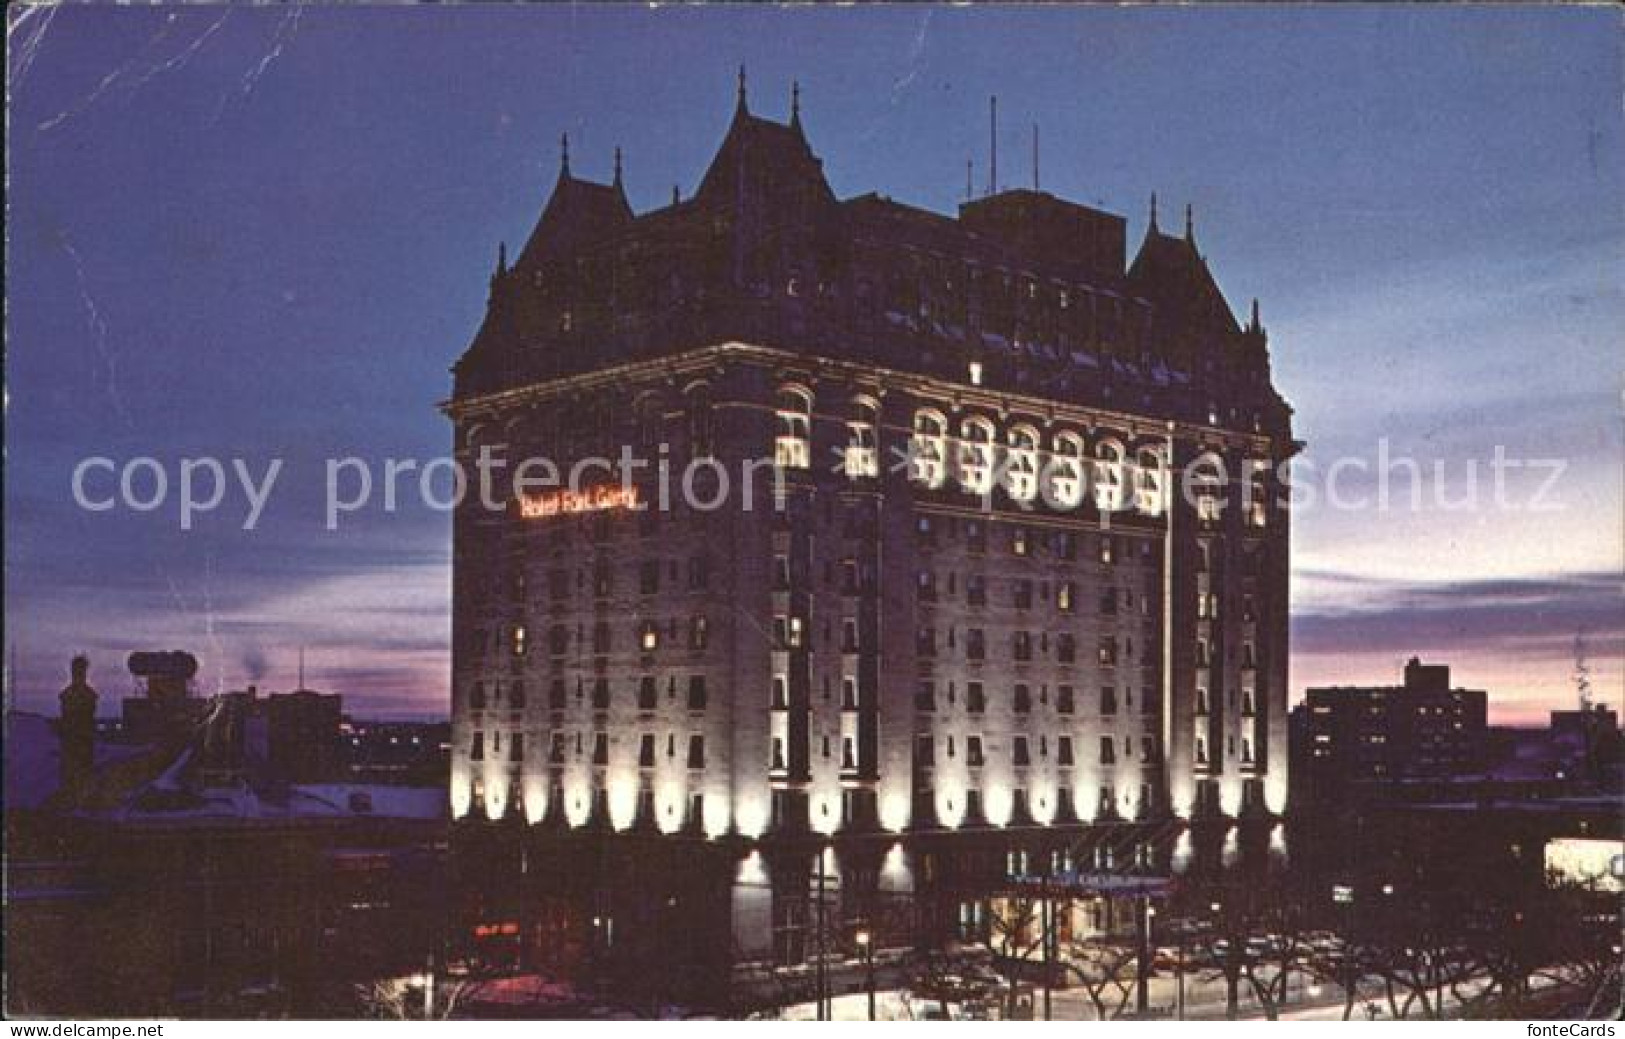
point(976, 455)
point(1150, 481)
point(1021, 463)
point(928, 448)
point(1066, 470)
point(1208, 488)
point(862, 452)
point(792, 448)
point(1110, 488)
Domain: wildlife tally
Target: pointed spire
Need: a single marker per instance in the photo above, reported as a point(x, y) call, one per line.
point(502, 268)
point(1190, 225)
point(676, 194)
point(1153, 211)
point(741, 106)
point(617, 166)
point(795, 104)
point(564, 155)
point(1258, 326)
point(970, 187)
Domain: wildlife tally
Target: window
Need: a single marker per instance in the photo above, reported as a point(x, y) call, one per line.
point(777, 760)
point(516, 695)
point(1066, 647)
point(1022, 700)
point(1065, 700)
point(696, 751)
point(1108, 700)
point(699, 572)
point(556, 695)
point(1020, 541)
point(648, 636)
point(600, 694)
point(1066, 471)
point(925, 584)
point(973, 751)
point(646, 751)
point(1108, 751)
point(558, 639)
point(648, 693)
point(925, 696)
point(1066, 594)
point(849, 635)
point(787, 632)
point(600, 748)
point(1022, 645)
point(925, 751)
point(975, 536)
point(975, 644)
point(1110, 491)
point(928, 449)
point(555, 753)
point(601, 638)
point(476, 751)
point(849, 753)
point(696, 693)
point(476, 696)
point(792, 448)
point(1063, 750)
point(1149, 481)
point(975, 698)
point(976, 455)
point(1024, 594)
point(1021, 464)
point(925, 642)
point(649, 577)
point(698, 632)
point(1020, 753)
point(975, 590)
point(1108, 651)
point(862, 459)
point(780, 696)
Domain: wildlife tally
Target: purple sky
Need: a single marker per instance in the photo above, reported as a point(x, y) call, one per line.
point(257, 233)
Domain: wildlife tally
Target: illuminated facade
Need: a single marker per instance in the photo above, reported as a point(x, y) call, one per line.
point(911, 557)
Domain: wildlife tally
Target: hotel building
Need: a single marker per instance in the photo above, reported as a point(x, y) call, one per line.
point(955, 532)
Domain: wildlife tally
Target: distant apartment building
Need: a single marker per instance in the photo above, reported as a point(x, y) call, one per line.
point(1354, 743)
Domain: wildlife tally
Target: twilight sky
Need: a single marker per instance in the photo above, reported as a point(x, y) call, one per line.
point(262, 233)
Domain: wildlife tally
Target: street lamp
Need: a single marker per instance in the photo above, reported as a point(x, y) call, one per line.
point(866, 949)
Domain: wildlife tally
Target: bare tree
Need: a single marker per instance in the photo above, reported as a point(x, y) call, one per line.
point(1106, 972)
point(1017, 937)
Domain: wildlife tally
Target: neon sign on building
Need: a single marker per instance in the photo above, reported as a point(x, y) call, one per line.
point(567, 502)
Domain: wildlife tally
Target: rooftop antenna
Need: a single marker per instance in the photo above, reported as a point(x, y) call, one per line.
point(993, 136)
point(617, 166)
point(564, 155)
point(301, 667)
point(970, 188)
point(1035, 156)
point(1153, 211)
point(795, 103)
point(742, 87)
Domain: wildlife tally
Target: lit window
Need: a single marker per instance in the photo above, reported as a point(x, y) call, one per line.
point(1021, 464)
point(976, 455)
point(928, 449)
point(792, 448)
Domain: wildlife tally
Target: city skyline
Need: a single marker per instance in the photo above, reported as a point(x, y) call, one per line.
point(316, 318)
